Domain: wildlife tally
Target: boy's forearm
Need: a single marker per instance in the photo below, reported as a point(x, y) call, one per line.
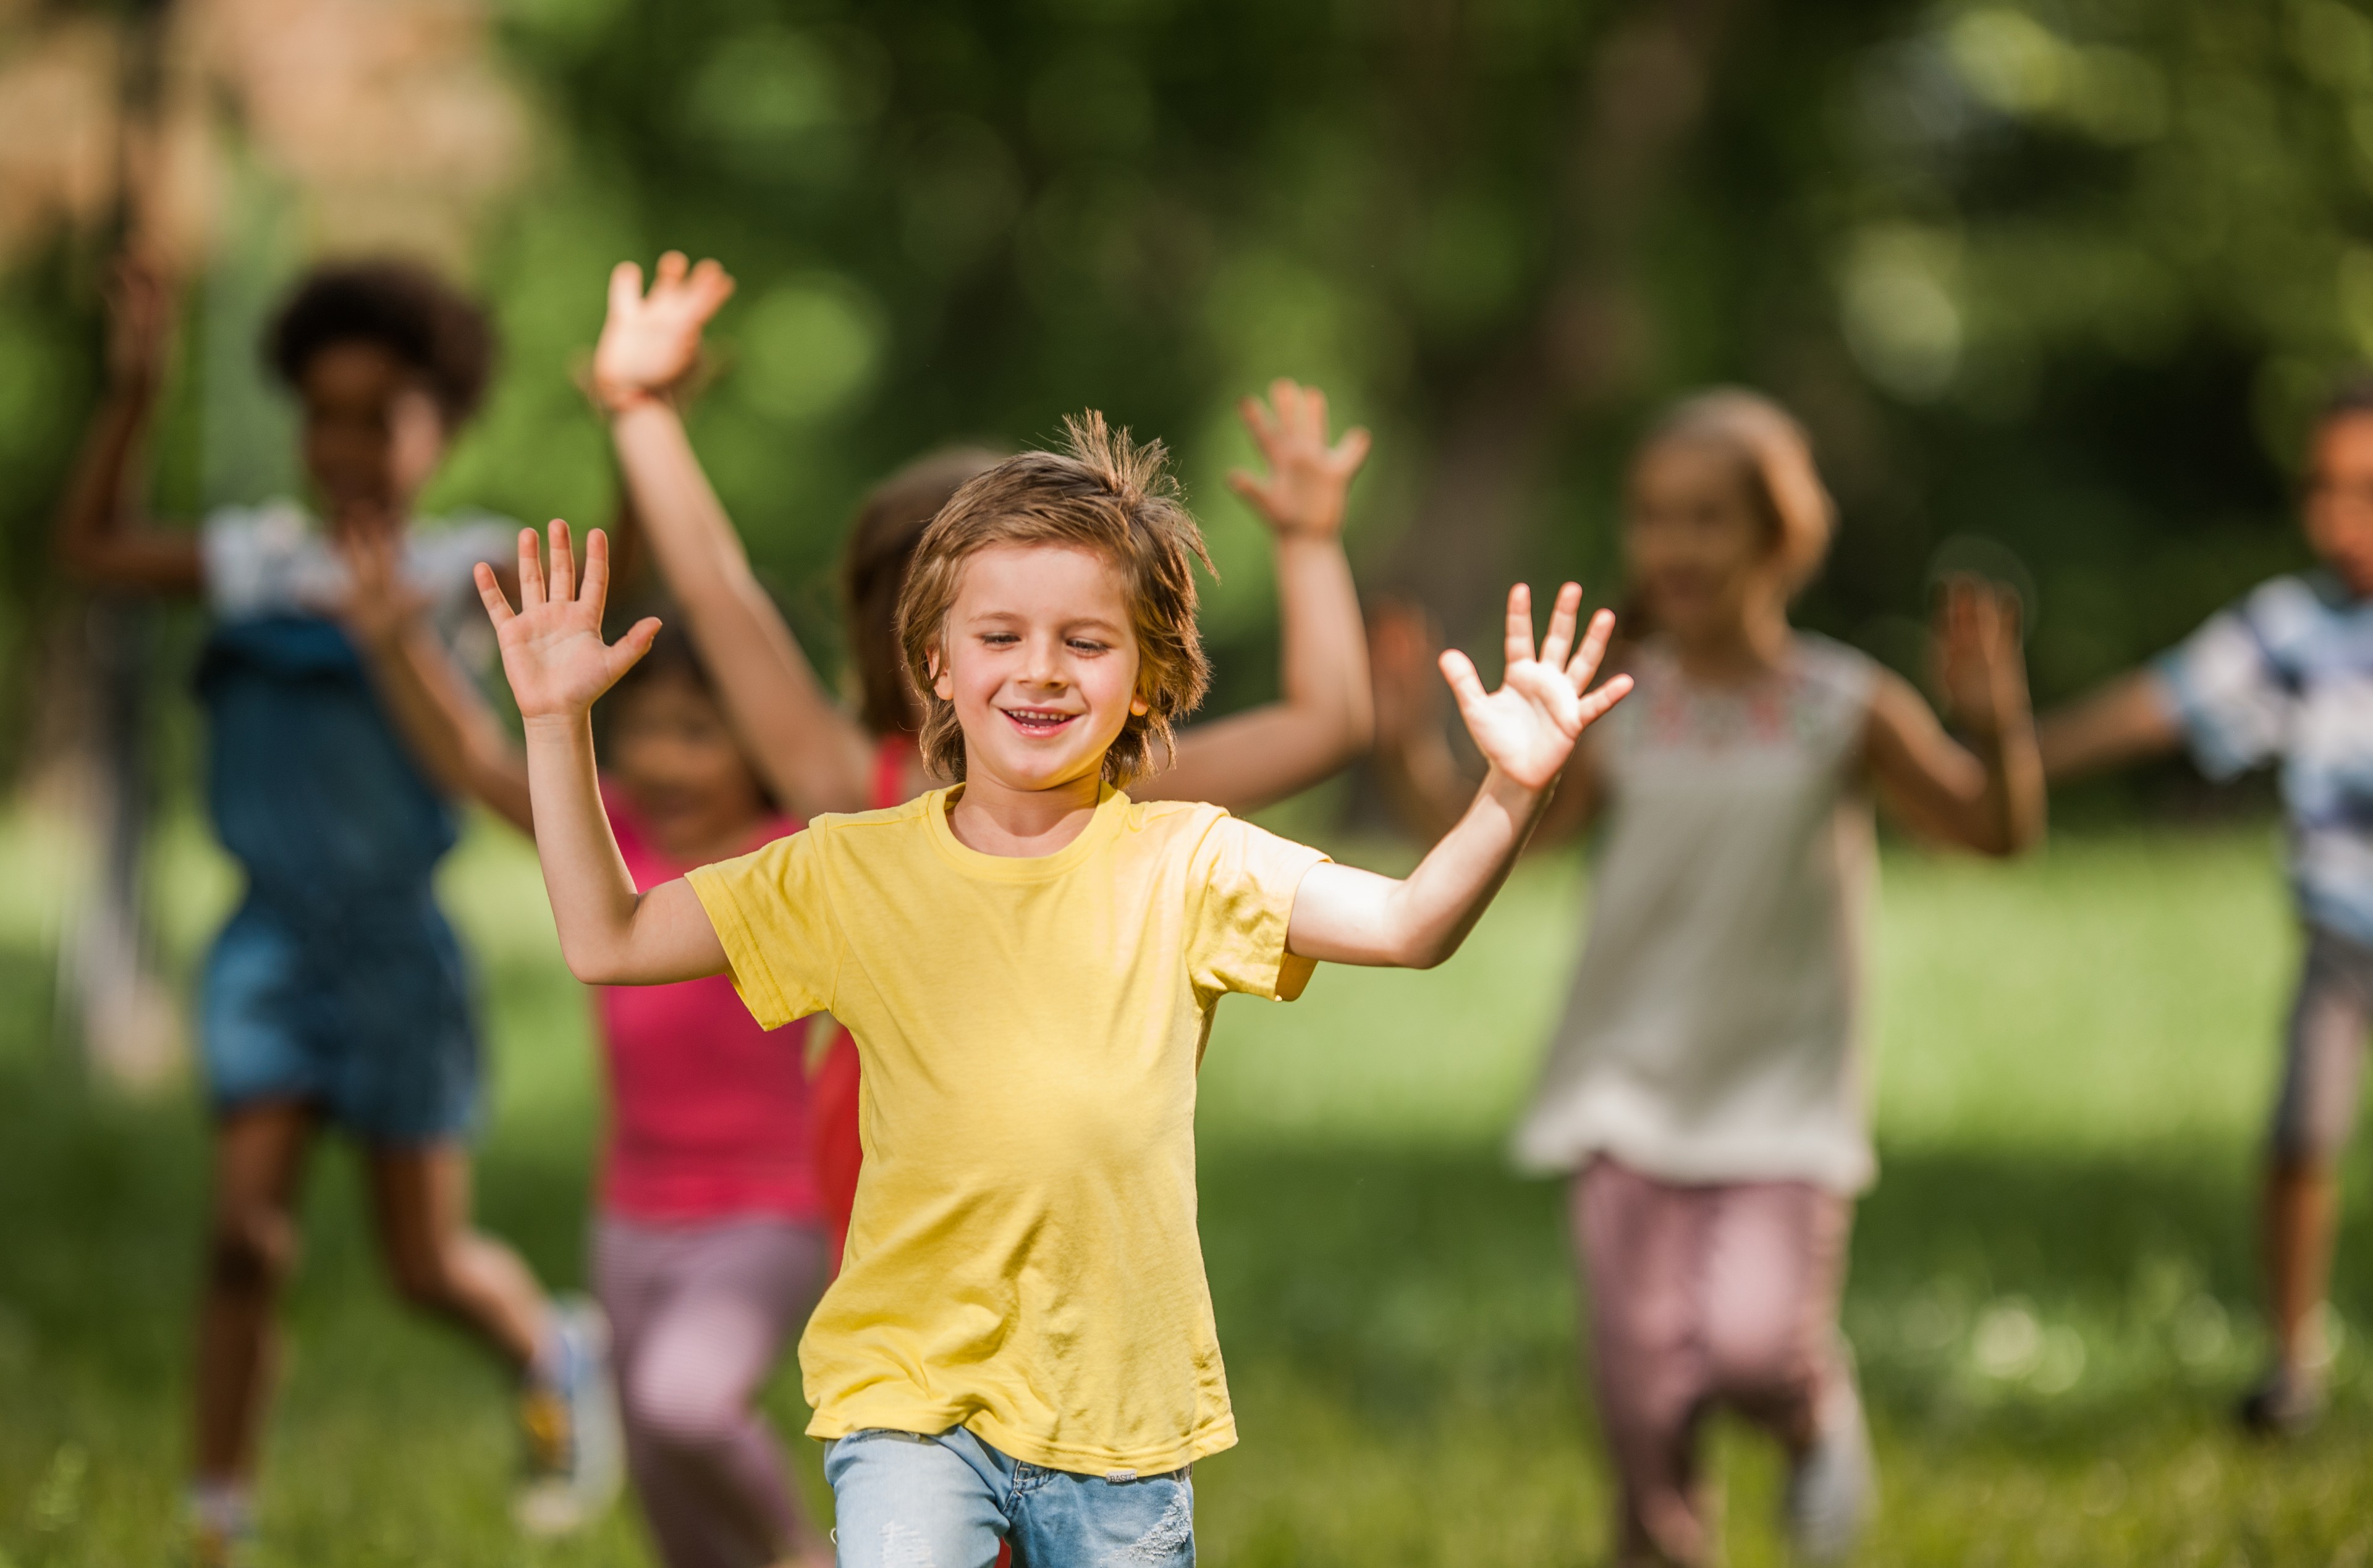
point(1455, 882)
point(810, 752)
point(1347, 916)
point(593, 898)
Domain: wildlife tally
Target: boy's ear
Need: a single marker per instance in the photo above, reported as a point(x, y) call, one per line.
point(1140, 706)
point(944, 685)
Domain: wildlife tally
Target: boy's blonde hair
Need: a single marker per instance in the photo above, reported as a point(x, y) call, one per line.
point(1778, 458)
point(1104, 493)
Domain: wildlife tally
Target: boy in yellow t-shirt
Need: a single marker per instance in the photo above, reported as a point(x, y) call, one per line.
point(1020, 1345)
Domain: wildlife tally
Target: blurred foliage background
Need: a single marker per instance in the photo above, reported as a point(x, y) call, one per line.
point(2054, 286)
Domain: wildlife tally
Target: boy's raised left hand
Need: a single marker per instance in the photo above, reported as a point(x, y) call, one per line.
point(1302, 493)
point(552, 646)
point(1528, 728)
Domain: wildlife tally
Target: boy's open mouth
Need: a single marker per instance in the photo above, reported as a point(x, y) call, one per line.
point(1037, 721)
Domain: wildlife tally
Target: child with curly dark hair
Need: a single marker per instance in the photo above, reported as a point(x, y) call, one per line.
point(336, 995)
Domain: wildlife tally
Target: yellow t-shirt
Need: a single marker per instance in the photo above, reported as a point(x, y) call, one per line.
point(1022, 1261)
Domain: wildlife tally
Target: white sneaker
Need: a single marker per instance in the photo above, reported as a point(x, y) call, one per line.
point(576, 1459)
point(1833, 1490)
point(2286, 1402)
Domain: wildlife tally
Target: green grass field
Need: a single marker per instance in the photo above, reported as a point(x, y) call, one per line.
point(2052, 1295)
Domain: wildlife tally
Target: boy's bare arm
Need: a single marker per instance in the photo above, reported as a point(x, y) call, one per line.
point(2130, 719)
point(101, 540)
point(1988, 796)
point(1324, 717)
point(813, 754)
point(1526, 731)
point(557, 665)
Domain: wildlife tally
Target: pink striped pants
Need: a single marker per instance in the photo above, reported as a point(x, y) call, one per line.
point(1701, 1296)
point(699, 1313)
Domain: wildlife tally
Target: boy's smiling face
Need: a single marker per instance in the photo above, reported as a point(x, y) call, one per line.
point(1040, 658)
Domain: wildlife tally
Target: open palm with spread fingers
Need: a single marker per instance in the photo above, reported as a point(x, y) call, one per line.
point(1302, 492)
point(1979, 663)
point(652, 340)
point(552, 647)
point(1528, 728)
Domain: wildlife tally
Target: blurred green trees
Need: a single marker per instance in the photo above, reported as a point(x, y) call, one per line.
point(2064, 277)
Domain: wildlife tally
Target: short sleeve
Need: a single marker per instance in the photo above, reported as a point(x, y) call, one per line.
point(442, 560)
point(774, 920)
point(2229, 693)
point(1241, 891)
point(261, 560)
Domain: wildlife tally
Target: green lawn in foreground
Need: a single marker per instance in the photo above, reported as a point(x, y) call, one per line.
point(2051, 1292)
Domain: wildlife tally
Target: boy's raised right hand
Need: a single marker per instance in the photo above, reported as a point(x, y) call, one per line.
point(652, 340)
point(553, 653)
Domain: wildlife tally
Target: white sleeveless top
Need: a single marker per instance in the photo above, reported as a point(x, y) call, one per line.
point(1715, 1031)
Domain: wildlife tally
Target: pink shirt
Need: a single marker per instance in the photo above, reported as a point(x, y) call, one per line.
point(708, 1113)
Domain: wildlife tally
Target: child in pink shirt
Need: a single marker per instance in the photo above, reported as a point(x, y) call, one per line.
point(709, 1241)
point(699, 1093)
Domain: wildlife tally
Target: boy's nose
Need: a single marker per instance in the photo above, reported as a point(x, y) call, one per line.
point(1046, 669)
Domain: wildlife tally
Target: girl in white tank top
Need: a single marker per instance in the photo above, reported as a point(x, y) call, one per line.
point(1713, 1033)
point(1706, 1089)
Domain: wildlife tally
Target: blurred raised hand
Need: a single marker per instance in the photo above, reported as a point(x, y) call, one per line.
point(380, 602)
point(1303, 492)
point(553, 653)
point(1403, 643)
point(1980, 671)
point(1528, 728)
point(140, 312)
point(652, 340)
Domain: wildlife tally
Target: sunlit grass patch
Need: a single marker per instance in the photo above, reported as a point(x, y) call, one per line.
point(2051, 1299)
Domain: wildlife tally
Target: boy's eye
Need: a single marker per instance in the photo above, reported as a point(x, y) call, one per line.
point(999, 639)
point(1086, 645)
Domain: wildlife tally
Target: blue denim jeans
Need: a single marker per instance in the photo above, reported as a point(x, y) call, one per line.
point(905, 1501)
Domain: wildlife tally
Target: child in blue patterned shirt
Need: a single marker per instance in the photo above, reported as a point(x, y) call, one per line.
point(2285, 677)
